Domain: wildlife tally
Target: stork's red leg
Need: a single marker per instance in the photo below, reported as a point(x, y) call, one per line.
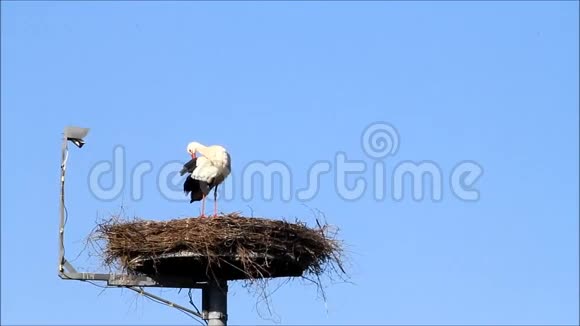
point(203, 206)
point(215, 202)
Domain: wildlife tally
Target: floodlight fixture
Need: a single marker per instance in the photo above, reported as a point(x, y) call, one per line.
point(76, 135)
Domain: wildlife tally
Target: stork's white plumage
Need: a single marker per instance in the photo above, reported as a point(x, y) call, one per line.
point(207, 171)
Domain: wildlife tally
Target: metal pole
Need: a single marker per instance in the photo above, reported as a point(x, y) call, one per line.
point(61, 224)
point(214, 300)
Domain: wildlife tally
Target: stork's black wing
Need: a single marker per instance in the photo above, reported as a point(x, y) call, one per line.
point(193, 188)
point(189, 166)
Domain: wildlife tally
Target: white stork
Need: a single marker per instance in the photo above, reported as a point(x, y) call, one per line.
point(207, 172)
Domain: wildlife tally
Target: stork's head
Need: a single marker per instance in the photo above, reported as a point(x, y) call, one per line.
point(192, 148)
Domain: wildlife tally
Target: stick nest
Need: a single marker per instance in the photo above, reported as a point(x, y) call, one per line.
point(226, 247)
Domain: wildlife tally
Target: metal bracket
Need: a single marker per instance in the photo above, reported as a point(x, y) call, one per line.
point(214, 315)
point(124, 280)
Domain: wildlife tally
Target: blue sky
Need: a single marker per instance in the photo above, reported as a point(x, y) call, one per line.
point(495, 83)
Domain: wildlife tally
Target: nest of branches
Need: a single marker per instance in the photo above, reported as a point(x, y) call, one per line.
point(227, 247)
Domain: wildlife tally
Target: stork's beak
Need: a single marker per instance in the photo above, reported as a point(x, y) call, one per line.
point(192, 154)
